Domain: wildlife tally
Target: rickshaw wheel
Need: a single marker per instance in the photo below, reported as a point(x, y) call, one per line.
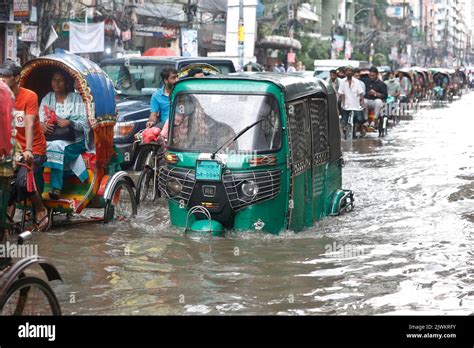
point(123, 205)
point(146, 181)
point(30, 296)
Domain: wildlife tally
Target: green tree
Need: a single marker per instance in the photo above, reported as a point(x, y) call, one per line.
point(379, 7)
point(377, 21)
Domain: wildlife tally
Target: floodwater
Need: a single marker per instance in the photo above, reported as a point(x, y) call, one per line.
point(407, 248)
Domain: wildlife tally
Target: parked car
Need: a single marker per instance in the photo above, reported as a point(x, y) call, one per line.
point(136, 79)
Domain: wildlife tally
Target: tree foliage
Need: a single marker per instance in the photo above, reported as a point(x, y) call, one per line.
point(312, 49)
point(379, 7)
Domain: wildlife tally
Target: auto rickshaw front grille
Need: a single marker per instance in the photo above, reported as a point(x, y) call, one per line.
point(268, 183)
point(186, 177)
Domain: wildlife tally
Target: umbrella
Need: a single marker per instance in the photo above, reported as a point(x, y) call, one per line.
point(160, 51)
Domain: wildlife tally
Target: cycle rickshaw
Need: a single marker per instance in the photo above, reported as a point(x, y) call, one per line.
point(442, 90)
point(20, 293)
point(107, 187)
point(424, 82)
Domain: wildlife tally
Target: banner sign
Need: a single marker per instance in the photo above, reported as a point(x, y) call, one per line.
point(86, 37)
point(21, 9)
point(160, 32)
point(189, 43)
point(10, 52)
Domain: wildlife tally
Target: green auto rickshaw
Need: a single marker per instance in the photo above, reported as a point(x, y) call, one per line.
point(253, 151)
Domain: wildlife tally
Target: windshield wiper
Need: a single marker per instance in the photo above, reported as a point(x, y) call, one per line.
point(237, 136)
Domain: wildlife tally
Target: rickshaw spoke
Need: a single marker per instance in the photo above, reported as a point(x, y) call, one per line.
point(122, 206)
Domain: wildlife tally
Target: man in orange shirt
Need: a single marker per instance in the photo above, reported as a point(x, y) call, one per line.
point(30, 137)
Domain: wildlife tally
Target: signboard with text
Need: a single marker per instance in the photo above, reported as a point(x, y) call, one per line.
point(29, 33)
point(161, 32)
point(10, 51)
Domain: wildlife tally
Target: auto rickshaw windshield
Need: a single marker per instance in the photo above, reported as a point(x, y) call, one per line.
point(204, 122)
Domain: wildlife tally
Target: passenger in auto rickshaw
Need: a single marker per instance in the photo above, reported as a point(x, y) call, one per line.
point(68, 135)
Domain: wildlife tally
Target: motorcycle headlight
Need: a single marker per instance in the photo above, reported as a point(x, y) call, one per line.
point(250, 188)
point(174, 187)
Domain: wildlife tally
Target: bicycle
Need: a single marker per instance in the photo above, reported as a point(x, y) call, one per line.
point(350, 129)
point(147, 184)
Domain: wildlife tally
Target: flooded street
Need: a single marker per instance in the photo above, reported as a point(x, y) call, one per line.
point(407, 248)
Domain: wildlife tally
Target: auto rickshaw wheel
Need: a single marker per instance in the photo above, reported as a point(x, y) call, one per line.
point(122, 205)
point(30, 296)
point(147, 186)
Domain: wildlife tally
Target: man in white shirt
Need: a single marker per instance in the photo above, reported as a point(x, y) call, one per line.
point(351, 94)
point(291, 68)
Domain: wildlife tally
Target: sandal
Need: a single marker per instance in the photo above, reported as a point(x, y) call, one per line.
point(43, 224)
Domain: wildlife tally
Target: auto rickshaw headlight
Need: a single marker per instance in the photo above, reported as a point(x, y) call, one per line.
point(249, 188)
point(174, 187)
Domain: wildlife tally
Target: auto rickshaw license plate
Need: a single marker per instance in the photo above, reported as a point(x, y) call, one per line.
point(208, 170)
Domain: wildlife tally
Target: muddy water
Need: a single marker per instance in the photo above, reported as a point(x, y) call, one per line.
point(407, 248)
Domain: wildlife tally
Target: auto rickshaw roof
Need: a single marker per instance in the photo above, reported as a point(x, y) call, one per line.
point(293, 86)
point(94, 85)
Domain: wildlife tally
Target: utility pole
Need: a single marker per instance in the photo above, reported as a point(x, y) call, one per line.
point(190, 14)
point(292, 8)
point(241, 33)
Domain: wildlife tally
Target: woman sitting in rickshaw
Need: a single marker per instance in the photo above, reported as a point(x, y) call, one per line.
point(63, 115)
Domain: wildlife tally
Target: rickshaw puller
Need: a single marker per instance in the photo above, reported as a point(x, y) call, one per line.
point(376, 93)
point(160, 101)
point(351, 95)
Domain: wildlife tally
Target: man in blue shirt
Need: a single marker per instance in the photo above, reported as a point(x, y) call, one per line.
point(160, 100)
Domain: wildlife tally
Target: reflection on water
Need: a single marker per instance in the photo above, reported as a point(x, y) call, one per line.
point(411, 230)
